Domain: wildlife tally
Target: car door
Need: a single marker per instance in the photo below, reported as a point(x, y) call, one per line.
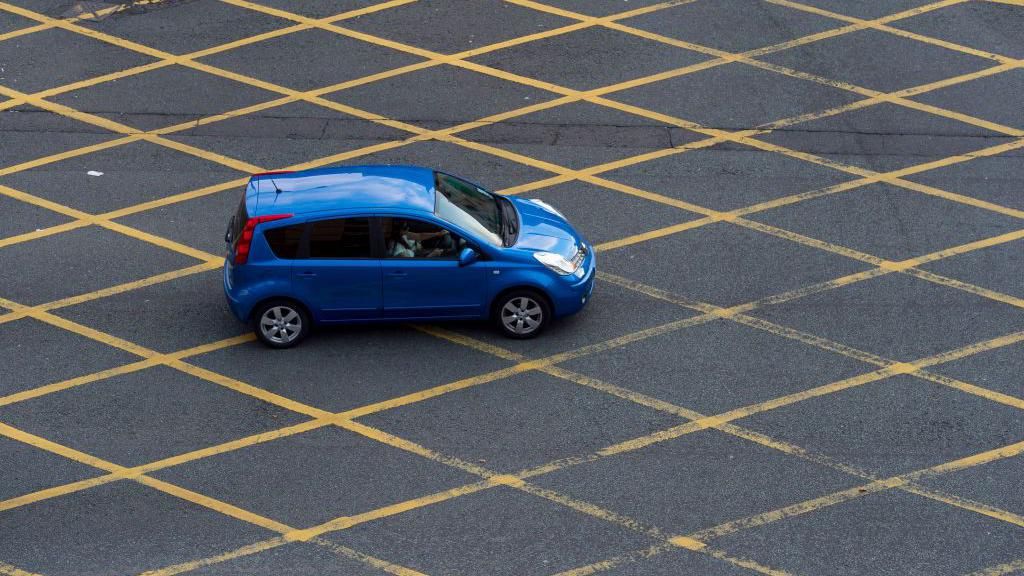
point(337, 274)
point(421, 274)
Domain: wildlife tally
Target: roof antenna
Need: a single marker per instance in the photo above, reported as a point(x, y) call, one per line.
point(276, 189)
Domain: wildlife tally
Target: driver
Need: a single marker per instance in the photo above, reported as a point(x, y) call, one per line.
point(405, 243)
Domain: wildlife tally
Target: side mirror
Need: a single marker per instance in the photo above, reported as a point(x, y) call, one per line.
point(467, 256)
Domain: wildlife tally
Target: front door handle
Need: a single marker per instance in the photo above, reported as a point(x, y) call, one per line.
point(397, 274)
point(306, 274)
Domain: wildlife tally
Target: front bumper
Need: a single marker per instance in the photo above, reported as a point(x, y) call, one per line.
point(572, 295)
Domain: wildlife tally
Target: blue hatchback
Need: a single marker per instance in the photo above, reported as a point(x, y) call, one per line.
point(396, 243)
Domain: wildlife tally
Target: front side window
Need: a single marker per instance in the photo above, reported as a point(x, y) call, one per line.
point(340, 238)
point(468, 206)
point(408, 238)
point(284, 240)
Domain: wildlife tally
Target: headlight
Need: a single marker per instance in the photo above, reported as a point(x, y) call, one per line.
point(555, 263)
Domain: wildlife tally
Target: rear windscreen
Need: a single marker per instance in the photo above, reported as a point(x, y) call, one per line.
point(238, 222)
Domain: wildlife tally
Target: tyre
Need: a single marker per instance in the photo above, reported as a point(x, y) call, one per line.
point(522, 314)
point(281, 323)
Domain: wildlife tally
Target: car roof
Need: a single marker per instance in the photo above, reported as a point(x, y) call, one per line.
point(342, 187)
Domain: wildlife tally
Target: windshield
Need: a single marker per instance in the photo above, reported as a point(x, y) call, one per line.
point(466, 205)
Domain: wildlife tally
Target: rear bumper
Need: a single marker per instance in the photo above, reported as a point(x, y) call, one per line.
point(237, 306)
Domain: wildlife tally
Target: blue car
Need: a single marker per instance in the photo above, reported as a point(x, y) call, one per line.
point(397, 243)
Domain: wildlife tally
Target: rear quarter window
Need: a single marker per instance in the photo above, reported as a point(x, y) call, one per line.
point(284, 241)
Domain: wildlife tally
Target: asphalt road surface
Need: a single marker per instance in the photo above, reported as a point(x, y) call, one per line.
point(803, 355)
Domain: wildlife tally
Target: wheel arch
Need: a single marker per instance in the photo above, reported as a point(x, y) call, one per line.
point(252, 311)
point(518, 287)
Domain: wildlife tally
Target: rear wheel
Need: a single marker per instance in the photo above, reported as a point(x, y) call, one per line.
point(281, 323)
point(522, 314)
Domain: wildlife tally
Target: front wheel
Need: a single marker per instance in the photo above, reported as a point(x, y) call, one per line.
point(522, 314)
point(281, 324)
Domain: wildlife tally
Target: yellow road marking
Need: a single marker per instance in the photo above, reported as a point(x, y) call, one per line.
point(491, 480)
point(745, 563)
point(964, 503)
point(720, 422)
point(295, 96)
point(974, 389)
point(105, 223)
point(118, 289)
point(43, 232)
point(120, 370)
point(248, 389)
point(383, 565)
point(967, 287)
point(232, 555)
point(69, 154)
point(697, 541)
point(784, 446)
point(609, 19)
point(347, 522)
point(615, 562)
point(225, 508)
point(214, 504)
point(605, 21)
point(857, 492)
point(888, 366)
point(77, 381)
point(321, 417)
point(199, 53)
point(897, 31)
point(96, 14)
point(23, 31)
point(94, 334)
point(1016, 565)
point(734, 216)
point(134, 472)
point(69, 453)
point(127, 472)
point(652, 234)
point(436, 391)
point(119, 128)
point(8, 570)
point(416, 397)
point(858, 24)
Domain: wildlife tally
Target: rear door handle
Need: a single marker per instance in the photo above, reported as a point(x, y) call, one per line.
point(306, 274)
point(397, 274)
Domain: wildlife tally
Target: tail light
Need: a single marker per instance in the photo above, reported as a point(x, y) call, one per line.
point(245, 239)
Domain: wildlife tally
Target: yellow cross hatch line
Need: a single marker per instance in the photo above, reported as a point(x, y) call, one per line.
point(332, 28)
point(344, 420)
point(603, 182)
point(693, 421)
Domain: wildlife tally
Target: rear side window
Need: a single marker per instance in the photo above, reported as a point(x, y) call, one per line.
point(341, 238)
point(285, 240)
